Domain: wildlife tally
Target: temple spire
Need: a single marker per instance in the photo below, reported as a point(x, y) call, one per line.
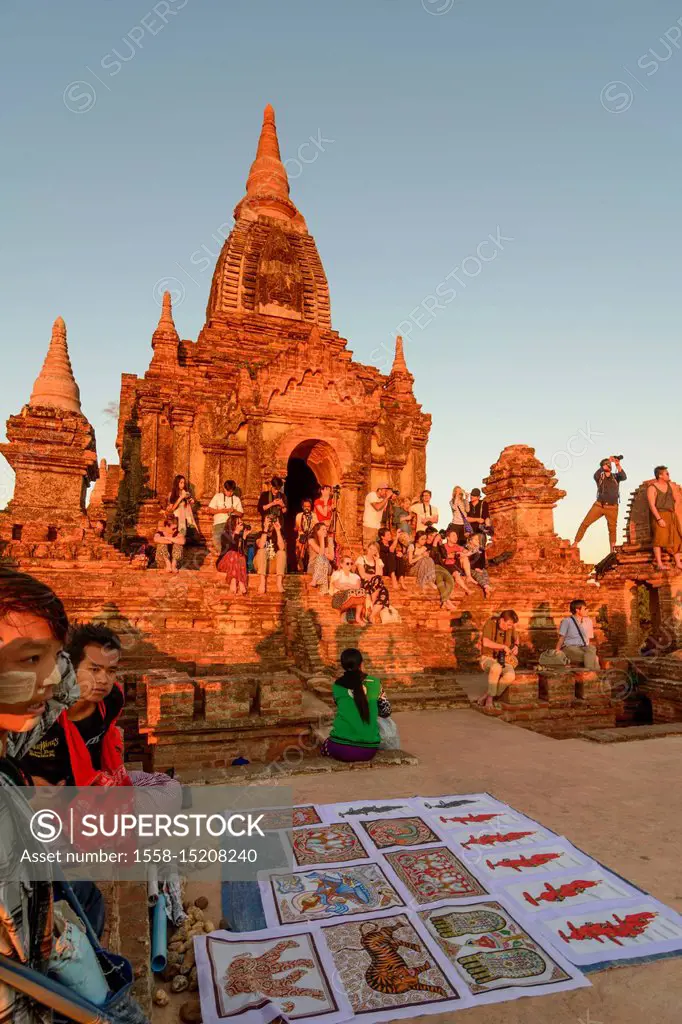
point(267, 187)
point(268, 175)
point(55, 386)
point(399, 364)
point(166, 329)
point(400, 380)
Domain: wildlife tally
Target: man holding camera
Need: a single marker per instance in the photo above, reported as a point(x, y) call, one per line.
point(608, 497)
point(426, 513)
point(375, 504)
point(272, 504)
point(224, 504)
point(499, 650)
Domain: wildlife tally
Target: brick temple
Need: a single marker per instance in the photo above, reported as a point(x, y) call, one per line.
point(269, 387)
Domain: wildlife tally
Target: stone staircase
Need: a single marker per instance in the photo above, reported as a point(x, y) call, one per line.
point(414, 657)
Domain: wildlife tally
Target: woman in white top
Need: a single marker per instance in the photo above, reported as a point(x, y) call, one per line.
point(180, 502)
point(420, 562)
point(371, 570)
point(347, 592)
point(459, 503)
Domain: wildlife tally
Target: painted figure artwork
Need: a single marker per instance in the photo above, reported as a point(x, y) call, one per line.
point(327, 844)
point(387, 832)
point(489, 949)
point(578, 888)
point(289, 817)
point(433, 874)
point(635, 930)
point(332, 892)
point(384, 965)
point(250, 974)
point(481, 818)
point(541, 860)
point(504, 839)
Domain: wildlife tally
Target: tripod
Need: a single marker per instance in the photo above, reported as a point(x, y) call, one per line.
point(335, 523)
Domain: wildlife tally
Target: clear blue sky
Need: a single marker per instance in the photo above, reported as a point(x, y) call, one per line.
point(445, 127)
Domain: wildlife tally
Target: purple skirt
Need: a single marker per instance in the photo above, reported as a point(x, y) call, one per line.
point(346, 752)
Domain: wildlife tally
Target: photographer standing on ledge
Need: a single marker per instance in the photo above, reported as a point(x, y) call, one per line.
point(608, 497)
point(499, 650)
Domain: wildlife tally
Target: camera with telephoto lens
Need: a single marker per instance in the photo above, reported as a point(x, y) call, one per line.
point(336, 490)
point(248, 527)
point(501, 657)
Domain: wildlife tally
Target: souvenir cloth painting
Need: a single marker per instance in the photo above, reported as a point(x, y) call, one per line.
point(327, 844)
point(386, 967)
point(326, 893)
point(254, 979)
point(493, 954)
point(386, 832)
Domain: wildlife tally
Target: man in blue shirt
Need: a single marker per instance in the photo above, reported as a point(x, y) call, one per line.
point(608, 495)
point(576, 637)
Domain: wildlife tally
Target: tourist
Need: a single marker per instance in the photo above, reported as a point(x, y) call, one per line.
point(665, 506)
point(499, 650)
point(170, 544)
point(371, 571)
point(460, 508)
point(305, 520)
point(225, 503)
point(33, 627)
point(576, 637)
point(608, 497)
point(424, 512)
point(420, 563)
point(392, 552)
point(375, 503)
point(271, 556)
point(348, 595)
point(444, 576)
point(403, 519)
point(324, 505)
point(360, 701)
point(272, 503)
point(181, 504)
point(455, 558)
point(478, 563)
point(232, 559)
point(478, 515)
point(320, 556)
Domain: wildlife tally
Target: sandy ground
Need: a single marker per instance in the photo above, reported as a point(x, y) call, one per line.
point(620, 803)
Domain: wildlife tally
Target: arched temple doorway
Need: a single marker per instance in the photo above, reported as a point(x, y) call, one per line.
point(310, 464)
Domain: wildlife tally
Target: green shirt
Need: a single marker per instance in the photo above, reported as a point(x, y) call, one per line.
point(348, 727)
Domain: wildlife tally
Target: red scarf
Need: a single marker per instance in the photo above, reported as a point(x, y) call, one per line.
point(113, 772)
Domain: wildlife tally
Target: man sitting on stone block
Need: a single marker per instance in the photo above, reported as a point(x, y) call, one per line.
point(499, 650)
point(576, 637)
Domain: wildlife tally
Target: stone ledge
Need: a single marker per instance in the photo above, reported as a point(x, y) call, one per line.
point(633, 732)
point(244, 775)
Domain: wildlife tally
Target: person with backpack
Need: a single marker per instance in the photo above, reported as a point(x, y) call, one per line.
point(360, 702)
point(576, 637)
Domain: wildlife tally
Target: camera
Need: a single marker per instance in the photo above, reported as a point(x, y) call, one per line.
point(336, 490)
point(501, 657)
point(619, 457)
point(248, 527)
